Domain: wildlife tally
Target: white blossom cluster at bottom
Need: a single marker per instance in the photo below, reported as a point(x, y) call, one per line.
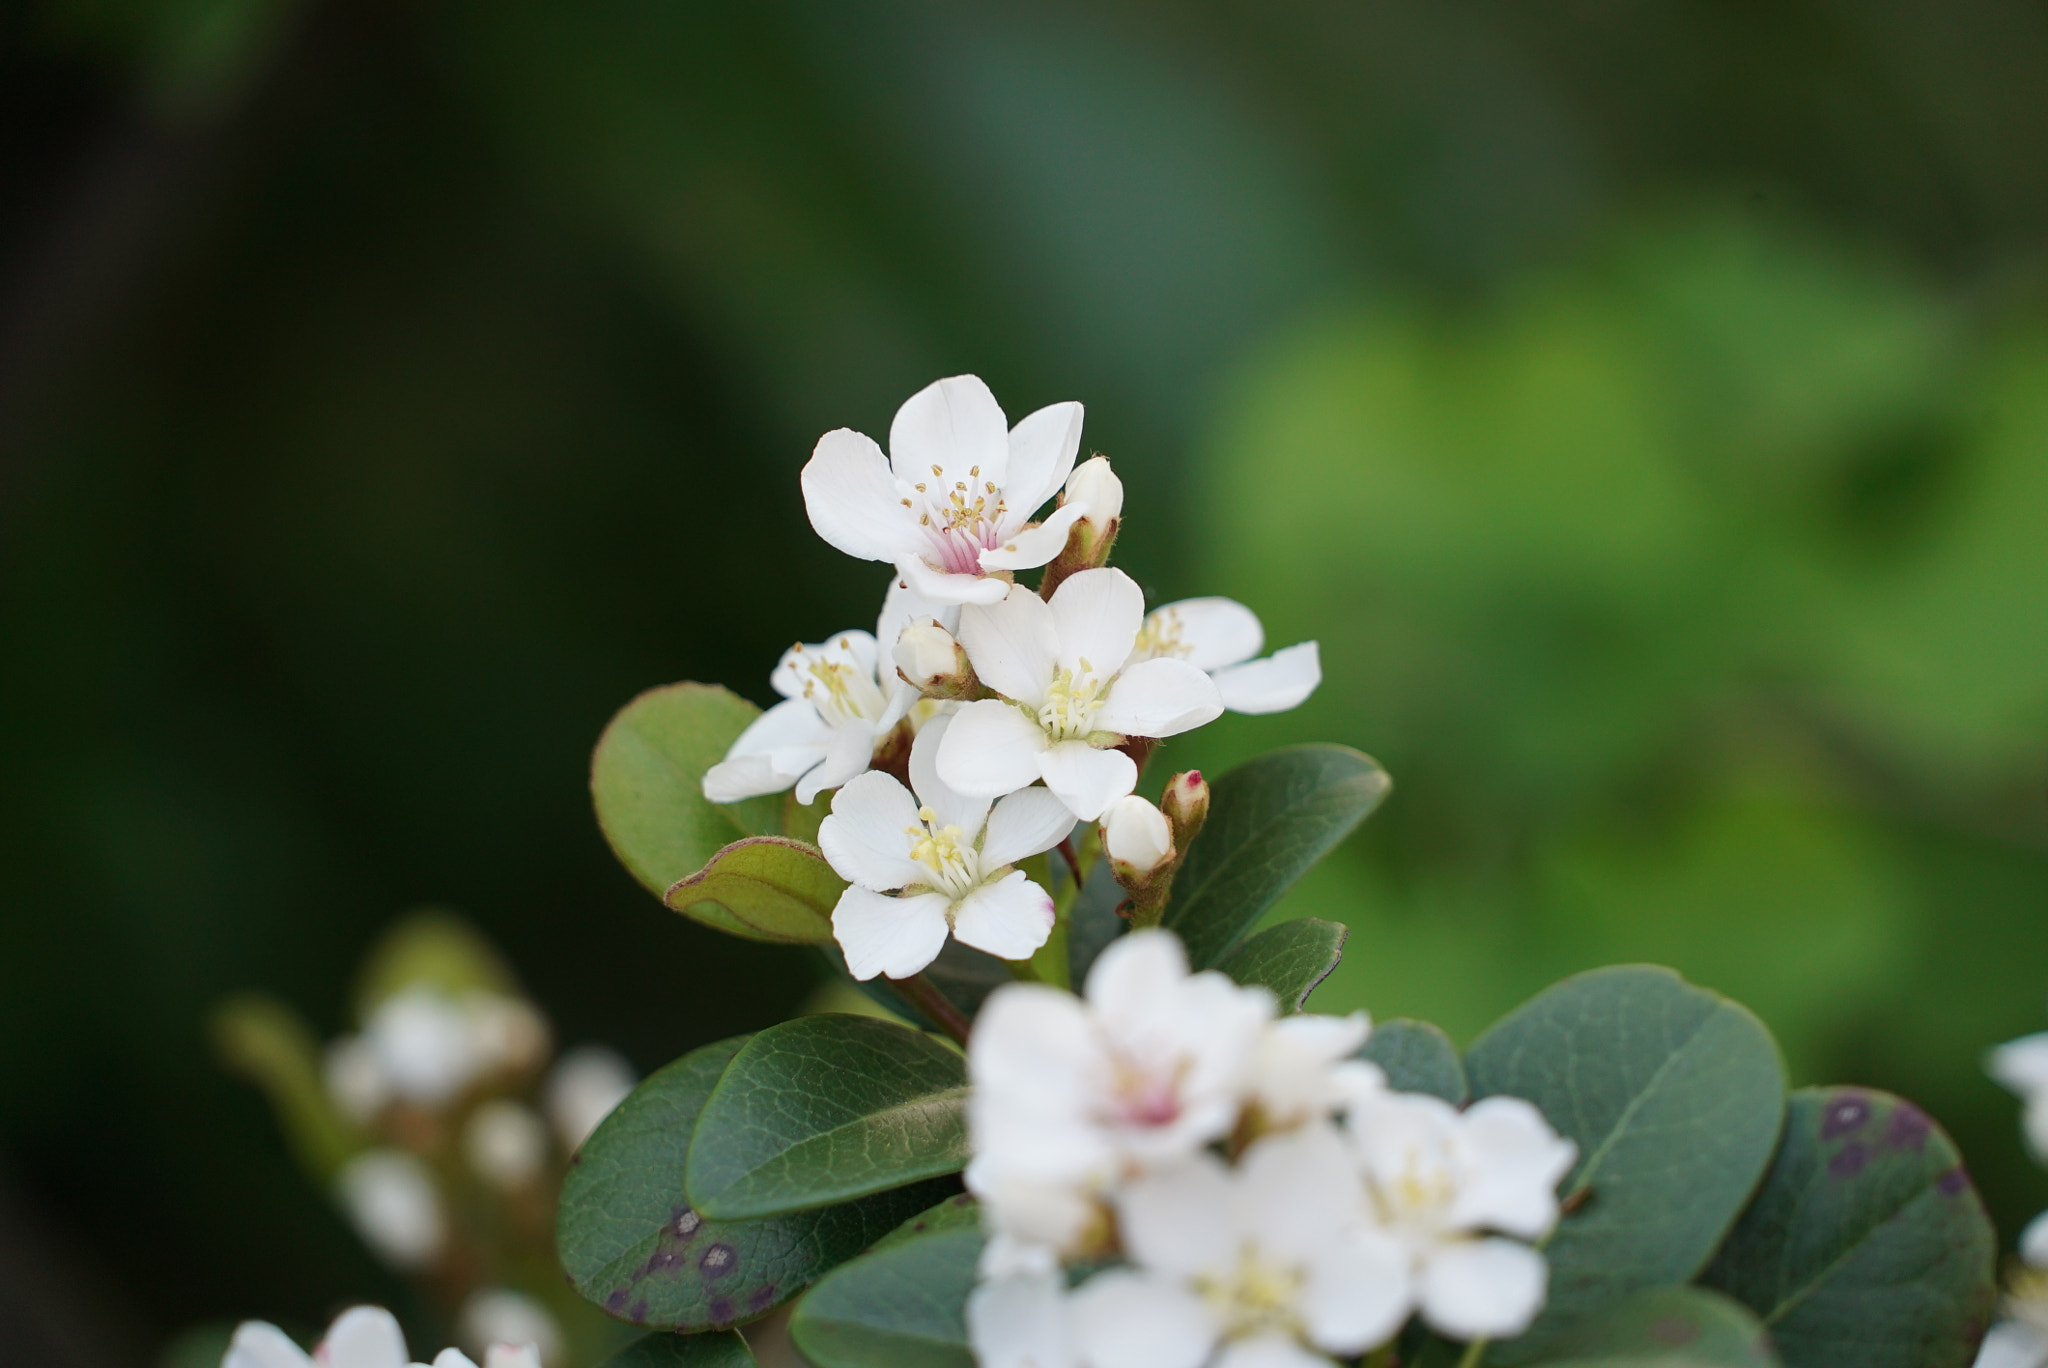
point(361, 1337)
point(1240, 1189)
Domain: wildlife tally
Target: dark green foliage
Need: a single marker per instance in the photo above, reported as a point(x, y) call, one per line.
point(1418, 1057)
point(902, 1306)
point(712, 1349)
point(1291, 959)
point(1667, 1327)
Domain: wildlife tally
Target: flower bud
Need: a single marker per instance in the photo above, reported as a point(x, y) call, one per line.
point(1137, 838)
point(506, 1143)
point(930, 660)
point(1186, 805)
point(586, 1084)
point(391, 1199)
point(1096, 485)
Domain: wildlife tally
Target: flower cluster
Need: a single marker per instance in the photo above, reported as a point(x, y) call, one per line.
point(2020, 1340)
point(983, 718)
point(361, 1337)
point(1261, 1194)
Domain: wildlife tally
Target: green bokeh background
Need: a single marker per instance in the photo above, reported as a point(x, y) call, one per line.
point(1645, 406)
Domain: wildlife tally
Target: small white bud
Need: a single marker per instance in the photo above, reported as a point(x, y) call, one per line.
point(506, 1143)
point(423, 1045)
point(355, 1080)
point(495, 1319)
point(1136, 835)
point(1096, 485)
point(926, 653)
point(586, 1084)
point(390, 1198)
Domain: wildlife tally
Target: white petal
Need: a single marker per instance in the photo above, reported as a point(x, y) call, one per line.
point(1013, 644)
point(1097, 614)
point(1183, 1219)
point(1140, 968)
point(1209, 632)
point(2022, 1064)
point(453, 1358)
point(895, 937)
point(363, 1337)
point(1268, 1351)
point(853, 748)
point(792, 669)
point(1489, 1288)
point(1020, 1322)
point(1281, 681)
point(990, 749)
point(1030, 547)
point(1087, 780)
point(792, 722)
point(1515, 1160)
point(1023, 824)
point(259, 1344)
point(1358, 1293)
point(1299, 1189)
point(866, 839)
point(2034, 1242)
point(1125, 1320)
point(2009, 1344)
point(952, 807)
point(852, 498)
point(954, 424)
point(1009, 918)
point(750, 776)
point(1159, 698)
point(512, 1356)
point(1043, 446)
point(2034, 1121)
point(946, 587)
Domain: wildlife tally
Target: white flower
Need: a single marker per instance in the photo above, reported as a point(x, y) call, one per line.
point(2021, 1339)
point(951, 506)
point(506, 1143)
point(355, 1080)
point(1073, 694)
point(1221, 636)
point(1071, 1095)
point(390, 1198)
point(361, 1337)
point(841, 700)
point(494, 1317)
point(585, 1085)
point(2022, 1066)
point(1439, 1179)
point(1093, 483)
point(1270, 1263)
point(1021, 1321)
point(1135, 835)
point(426, 1046)
point(1304, 1069)
point(921, 865)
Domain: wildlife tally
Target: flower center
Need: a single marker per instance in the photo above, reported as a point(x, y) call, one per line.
point(955, 867)
point(836, 686)
point(1257, 1297)
point(1161, 636)
point(1068, 713)
point(1145, 1095)
point(1419, 1195)
point(962, 518)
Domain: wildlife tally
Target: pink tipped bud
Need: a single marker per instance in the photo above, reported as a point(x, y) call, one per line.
point(1186, 805)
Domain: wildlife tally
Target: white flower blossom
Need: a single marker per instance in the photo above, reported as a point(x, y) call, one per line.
point(1221, 636)
point(937, 861)
point(1023, 1320)
point(951, 505)
point(583, 1088)
point(1304, 1068)
point(1071, 693)
point(841, 700)
point(425, 1046)
point(1272, 1262)
point(1135, 835)
point(1073, 1094)
point(391, 1199)
point(2022, 1066)
point(361, 1337)
point(1450, 1185)
point(506, 1143)
point(2020, 1339)
point(496, 1316)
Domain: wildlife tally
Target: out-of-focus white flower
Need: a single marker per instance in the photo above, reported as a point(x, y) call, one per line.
point(426, 1046)
point(2020, 1339)
point(506, 1143)
point(1021, 1321)
point(361, 1337)
point(951, 505)
point(506, 1033)
point(1273, 1262)
point(949, 856)
point(497, 1319)
point(1072, 1094)
point(1449, 1186)
point(1221, 636)
point(1070, 694)
point(2022, 1066)
point(587, 1083)
point(841, 700)
point(390, 1198)
point(1304, 1068)
point(355, 1080)
point(1135, 836)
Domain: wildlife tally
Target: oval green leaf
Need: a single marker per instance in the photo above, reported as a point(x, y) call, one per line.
point(827, 1108)
point(714, 1349)
point(902, 1306)
point(630, 1241)
point(766, 888)
point(1417, 1057)
point(647, 782)
point(1290, 959)
point(1867, 1243)
point(1675, 1097)
point(1269, 820)
point(1667, 1327)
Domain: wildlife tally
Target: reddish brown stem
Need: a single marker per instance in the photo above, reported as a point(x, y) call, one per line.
point(926, 997)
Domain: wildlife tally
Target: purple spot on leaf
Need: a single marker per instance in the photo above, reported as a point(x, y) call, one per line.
point(1850, 1161)
point(760, 1297)
point(718, 1261)
point(1674, 1330)
point(1952, 1183)
point(1843, 1115)
point(722, 1310)
point(1909, 1127)
point(616, 1302)
point(638, 1315)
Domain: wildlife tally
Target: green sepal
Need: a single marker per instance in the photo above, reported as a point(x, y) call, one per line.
point(1290, 959)
point(767, 888)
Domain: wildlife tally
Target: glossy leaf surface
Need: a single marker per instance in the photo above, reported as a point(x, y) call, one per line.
point(1417, 1057)
point(713, 1349)
point(765, 888)
point(1668, 1327)
point(902, 1306)
point(1291, 959)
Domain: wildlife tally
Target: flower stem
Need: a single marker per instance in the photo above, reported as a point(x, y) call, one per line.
point(1470, 1358)
point(926, 997)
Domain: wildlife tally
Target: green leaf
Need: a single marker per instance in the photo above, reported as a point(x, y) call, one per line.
point(1867, 1243)
point(631, 1243)
point(959, 1212)
point(827, 1108)
point(1269, 820)
point(647, 777)
point(715, 1349)
point(267, 1043)
point(1291, 959)
point(1674, 1095)
point(1668, 1327)
point(1418, 1057)
point(902, 1306)
point(766, 888)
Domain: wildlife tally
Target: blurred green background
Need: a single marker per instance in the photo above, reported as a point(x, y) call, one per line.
point(1645, 405)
